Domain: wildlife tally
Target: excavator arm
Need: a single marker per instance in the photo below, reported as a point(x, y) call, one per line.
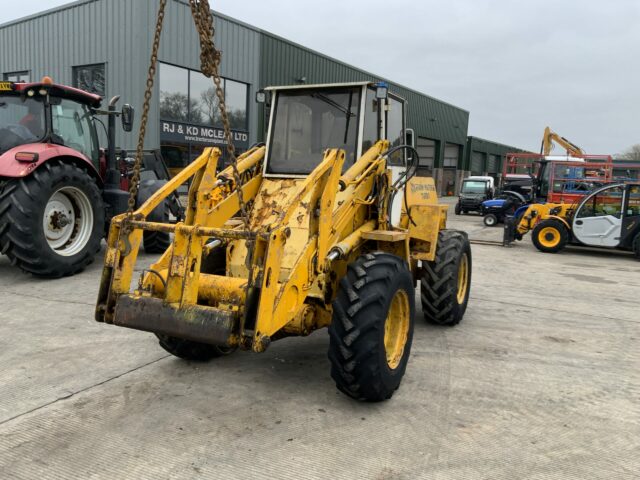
point(550, 137)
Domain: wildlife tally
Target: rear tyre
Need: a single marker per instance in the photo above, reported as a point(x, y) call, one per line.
point(51, 222)
point(490, 220)
point(214, 263)
point(457, 209)
point(446, 281)
point(372, 328)
point(636, 246)
point(157, 242)
point(550, 236)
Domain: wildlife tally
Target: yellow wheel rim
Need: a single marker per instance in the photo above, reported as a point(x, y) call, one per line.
point(549, 237)
point(396, 328)
point(463, 278)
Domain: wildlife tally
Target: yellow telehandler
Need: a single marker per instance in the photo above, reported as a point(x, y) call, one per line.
point(336, 232)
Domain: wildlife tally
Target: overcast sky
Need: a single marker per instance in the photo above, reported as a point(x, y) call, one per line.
point(517, 66)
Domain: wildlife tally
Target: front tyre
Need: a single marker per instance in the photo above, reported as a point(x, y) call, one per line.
point(550, 236)
point(372, 328)
point(446, 281)
point(490, 220)
point(213, 262)
point(51, 222)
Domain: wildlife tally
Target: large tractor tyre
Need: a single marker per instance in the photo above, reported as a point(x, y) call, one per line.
point(457, 209)
point(372, 327)
point(154, 242)
point(446, 281)
point(214, 264)
point(51, 222)
point(157, 242)
point(550, 236)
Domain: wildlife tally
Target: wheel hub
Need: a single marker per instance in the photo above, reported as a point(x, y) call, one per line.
point(463, 279)
point(68, 221)
point(396, 328)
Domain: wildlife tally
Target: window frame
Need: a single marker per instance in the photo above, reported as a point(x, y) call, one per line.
point(75, 84)
point(19, 73)
point(270, 129)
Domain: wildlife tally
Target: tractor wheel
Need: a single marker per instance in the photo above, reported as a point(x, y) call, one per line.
point(490, 220)
point(457, 209)
point(372, 327)
point(51, 222)
point(214, 264)
point(157, 242)
point(446, 281)
point(550, 236)
point(636, 246)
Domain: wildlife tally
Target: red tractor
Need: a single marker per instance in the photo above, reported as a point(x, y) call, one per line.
point(58, 188)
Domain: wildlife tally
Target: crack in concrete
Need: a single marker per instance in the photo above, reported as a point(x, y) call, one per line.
point(537, 307)
point(82, 390)
point(45, 299)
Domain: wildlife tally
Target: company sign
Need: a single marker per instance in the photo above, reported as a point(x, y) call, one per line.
point(184, 133)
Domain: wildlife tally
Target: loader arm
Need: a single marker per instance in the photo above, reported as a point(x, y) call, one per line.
point(206, 193)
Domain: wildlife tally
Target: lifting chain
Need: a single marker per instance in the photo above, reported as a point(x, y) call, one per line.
point(210, 67)
point(135, 178)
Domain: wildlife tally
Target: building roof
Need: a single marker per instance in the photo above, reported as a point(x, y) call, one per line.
point(78, 3)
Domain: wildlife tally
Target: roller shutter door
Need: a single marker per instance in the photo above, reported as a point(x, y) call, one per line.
point(451, 155)
point(493, 164)
point(477, 163)
point(427, 151)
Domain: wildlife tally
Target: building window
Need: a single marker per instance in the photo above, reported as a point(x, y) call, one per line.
point(17, 77)
point(90, 78)
point(235, 97)
point(190, 115)
point(190, 97)
point(174, 93)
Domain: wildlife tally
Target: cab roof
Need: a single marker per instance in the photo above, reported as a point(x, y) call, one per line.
point(63, 91)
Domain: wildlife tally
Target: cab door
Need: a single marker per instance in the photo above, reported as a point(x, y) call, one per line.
point(598, 219)
point(394, 125)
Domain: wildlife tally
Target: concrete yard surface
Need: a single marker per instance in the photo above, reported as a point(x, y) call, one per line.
point(541, 380)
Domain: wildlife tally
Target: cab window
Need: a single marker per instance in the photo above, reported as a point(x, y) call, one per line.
point(72, 125)
point(306, 123)
point(608, 202)
point(395, 129)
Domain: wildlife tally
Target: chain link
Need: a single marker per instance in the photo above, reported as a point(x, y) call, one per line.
point(210, 66)
point(135, 178)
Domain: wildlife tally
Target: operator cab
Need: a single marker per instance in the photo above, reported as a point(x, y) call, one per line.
point(45, 112)
point(305, 120)
point(609, 217)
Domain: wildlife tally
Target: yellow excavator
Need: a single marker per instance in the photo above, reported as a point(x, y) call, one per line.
point(323, 226)
point(550, 137)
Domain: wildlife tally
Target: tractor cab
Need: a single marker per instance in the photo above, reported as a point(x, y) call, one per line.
point(608, 217)
point(48, 113)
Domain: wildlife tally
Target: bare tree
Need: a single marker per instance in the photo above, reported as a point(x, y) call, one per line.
point(631, 153)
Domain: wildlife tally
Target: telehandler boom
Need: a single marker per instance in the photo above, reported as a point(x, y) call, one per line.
point(338, 233)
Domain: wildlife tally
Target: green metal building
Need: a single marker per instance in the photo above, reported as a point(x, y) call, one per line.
point(72, 44)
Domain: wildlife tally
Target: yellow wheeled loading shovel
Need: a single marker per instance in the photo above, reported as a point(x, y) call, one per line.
point(335, 237)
